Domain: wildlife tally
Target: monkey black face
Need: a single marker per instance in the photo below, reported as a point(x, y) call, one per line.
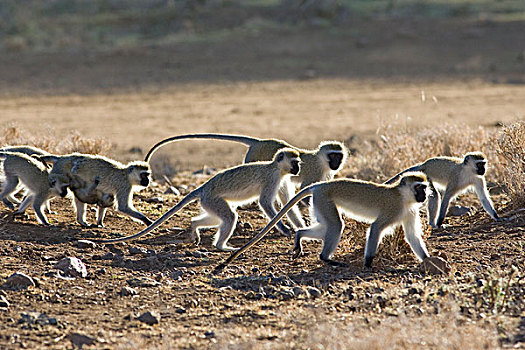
point(481, 167)
point(295, 167)
point(335, 159)
point(420, 192)
point(62, 189)
point(144, 179)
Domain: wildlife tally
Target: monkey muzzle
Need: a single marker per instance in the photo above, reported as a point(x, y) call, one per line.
point(295, 167)
point(481, 168)
point(420, 193)
point(334, 160)
point(144, 180)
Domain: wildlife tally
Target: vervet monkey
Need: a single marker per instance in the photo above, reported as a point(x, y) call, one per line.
point(116, 179)
point(30, 151)
point(34, 175)
point(85, 192)
point(449, 177)
point(317, 165)
point(385, 206)
point(230, 188)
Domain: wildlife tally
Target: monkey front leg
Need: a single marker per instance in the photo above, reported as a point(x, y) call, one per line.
point(434, 202)
point(126, 206)
point(80, 208)
point(286, 192)
point(413, 234)
point(481, 190)
point(267, 206)
point(373, 239)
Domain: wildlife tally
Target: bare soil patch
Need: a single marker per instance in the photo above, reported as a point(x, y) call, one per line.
point(300, 86)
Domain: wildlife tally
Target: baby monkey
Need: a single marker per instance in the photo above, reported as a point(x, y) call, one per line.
point(34, 175)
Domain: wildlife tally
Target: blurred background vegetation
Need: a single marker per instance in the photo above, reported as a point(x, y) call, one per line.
point(57, 25)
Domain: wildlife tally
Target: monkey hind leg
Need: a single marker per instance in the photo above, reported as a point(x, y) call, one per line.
point(38, 207)
point(101, 214)
point(219, 207)
point(11, 184)
point(202, 221)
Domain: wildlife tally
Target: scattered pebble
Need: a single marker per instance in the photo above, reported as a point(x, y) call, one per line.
point(137, 250)
point(314, 292)
point(34, 317)
point(435, 265)
point(79, 340)
point(155, 200)
point(142, 282)
point(72, 267)
point(150, 317)
point(127, 291)
point(85, 244)
point(17, 281)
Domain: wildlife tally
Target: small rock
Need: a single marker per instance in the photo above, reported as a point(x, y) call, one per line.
point(155, 200)
point(17, 281)
point(180, 310)
point(127, 291)
point(150, 317)
point(115, 250)
point(85, 244)
point(79, 340)
point(299, 291)
point(143, 282)
point(199, 255)
point(209, 334)
point(34, 317)
point(176, 274)
point(435, 265)
point(139, 250)
point(458, 211)
point(247, 226)
point(286, 294)
point(3, 302)
point(314, 292)
point(73, 267)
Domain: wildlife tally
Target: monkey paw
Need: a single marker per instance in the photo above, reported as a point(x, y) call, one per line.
point(435, 265)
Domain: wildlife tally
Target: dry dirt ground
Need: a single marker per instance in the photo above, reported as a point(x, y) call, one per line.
point(303, 87)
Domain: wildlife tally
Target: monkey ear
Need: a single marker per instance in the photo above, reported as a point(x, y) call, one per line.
point(465, 161)
point(280, 157)
point(403, 181)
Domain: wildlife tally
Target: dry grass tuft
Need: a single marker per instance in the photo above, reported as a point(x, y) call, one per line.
point(444, 331)
point(511, 151)
point(73, 142)
point(398, 148)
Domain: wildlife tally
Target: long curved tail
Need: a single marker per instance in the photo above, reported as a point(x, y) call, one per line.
point(398, 175)
point(303, 193)
point(249, 141)
point(192, 196)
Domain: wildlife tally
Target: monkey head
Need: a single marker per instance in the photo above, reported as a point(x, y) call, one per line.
point(334, 152)
point(139, 173)
point(417, 183)
point(59, 183)
point(478, 161)
point(288, 160)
